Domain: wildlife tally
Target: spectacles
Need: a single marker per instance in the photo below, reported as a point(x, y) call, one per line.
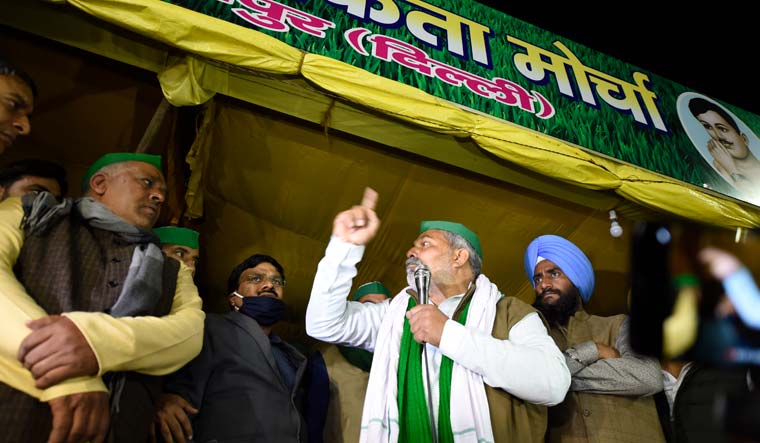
point(260, 278)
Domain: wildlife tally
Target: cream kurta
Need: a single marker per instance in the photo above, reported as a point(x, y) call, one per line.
point(150, 345)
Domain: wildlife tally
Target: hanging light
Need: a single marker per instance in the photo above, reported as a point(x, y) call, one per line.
point(615, 229)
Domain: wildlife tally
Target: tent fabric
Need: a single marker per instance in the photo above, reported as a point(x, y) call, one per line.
point(214, 39)
point(275, 185)
point(543, 155)
point(197, 159)
point(196, 33)
point(182, 84)
point(654, 190)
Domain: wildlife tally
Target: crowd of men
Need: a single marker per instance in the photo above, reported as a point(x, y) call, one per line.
point(105, 338)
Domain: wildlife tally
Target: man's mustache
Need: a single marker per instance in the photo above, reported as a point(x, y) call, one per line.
point(413, 261)
point(550, 291)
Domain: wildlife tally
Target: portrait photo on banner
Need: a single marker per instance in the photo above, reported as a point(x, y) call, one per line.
point(725, 142)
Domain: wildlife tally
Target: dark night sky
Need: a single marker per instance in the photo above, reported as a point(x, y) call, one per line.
point(711, 50)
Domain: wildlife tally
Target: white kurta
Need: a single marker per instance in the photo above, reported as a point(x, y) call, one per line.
point(528, 365)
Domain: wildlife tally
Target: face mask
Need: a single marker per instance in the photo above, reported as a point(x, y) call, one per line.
point(265, 310)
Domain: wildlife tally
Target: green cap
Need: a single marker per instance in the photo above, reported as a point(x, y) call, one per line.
point(456, 228)
point(174, 235)
point(373, 287)
point(118, 157)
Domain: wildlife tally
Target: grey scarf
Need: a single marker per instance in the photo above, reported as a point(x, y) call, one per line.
point(142, 286)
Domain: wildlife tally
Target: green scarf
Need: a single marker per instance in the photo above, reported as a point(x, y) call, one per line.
point(357, 357)
point(413, 416)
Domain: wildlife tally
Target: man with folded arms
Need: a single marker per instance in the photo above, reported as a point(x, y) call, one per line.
point(610, 398)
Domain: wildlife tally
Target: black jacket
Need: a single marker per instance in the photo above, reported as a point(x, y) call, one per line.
point(237, 387)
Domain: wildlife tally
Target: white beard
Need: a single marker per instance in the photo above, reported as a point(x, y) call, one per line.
point(410, 280)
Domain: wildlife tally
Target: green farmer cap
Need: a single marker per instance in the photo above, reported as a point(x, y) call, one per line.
point(118, 157)
point(373, 287)
point(456, 228)
point(174, 235)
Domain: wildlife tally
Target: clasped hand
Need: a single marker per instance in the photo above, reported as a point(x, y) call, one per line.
point(426, 323)
point(55, 351)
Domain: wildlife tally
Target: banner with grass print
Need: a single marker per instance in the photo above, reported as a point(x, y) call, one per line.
point(482, 59)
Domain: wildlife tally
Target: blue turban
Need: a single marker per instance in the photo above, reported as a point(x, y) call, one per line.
point(563, 253)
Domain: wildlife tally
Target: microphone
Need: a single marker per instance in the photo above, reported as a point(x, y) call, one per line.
point(422, 281)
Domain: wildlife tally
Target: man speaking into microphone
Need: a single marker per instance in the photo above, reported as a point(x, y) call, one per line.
point(493, 368)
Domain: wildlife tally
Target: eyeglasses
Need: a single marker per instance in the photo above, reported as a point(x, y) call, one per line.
point(260, 278)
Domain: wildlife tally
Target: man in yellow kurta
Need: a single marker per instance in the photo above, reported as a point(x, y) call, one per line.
point(89, 307)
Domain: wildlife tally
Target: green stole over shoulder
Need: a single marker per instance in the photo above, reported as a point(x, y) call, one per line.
point(413, 415)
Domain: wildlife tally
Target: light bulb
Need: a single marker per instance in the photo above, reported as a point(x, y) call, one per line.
point(615, 229)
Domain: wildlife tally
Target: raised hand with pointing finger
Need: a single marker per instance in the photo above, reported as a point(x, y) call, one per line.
point(465, 347)
point(359, 224)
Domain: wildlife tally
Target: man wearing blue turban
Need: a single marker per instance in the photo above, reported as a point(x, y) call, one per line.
point(610, 397)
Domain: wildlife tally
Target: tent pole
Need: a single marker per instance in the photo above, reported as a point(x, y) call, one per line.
point(154, 126)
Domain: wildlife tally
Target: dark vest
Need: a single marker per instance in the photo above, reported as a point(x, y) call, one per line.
point(75, 267)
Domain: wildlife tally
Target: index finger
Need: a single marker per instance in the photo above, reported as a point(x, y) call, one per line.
point(414, 310)
point(177, 429)
point(184, 421)
point(369, 200)
point(42, 322)
point(62, 421)
point(179, 414)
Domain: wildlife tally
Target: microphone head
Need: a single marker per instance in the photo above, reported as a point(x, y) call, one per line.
point(422, 271)
point(422, 281)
